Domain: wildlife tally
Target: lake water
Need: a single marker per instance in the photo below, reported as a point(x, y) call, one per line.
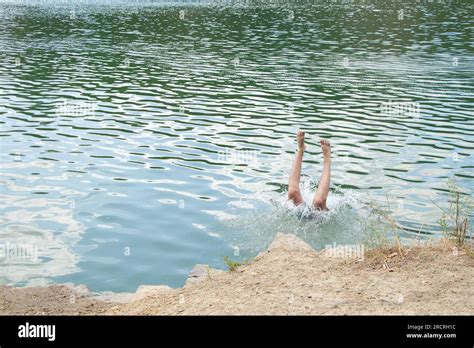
point(141, 138)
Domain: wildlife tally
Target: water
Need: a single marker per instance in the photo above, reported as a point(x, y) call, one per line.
point(140, 139)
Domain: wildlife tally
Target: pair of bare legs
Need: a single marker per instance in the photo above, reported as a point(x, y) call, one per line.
point(294, 193)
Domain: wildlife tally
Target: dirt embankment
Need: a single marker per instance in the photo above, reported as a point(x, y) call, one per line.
point(289, 278)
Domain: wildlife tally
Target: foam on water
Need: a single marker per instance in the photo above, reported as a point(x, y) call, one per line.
point(254, 227)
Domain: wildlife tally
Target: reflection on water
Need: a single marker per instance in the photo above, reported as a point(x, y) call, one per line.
point(138, 140)
point(31, 248)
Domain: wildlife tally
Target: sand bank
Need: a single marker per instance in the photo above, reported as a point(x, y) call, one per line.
point(288, 278)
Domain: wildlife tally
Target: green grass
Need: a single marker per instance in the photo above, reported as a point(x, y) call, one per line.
point(233, 265)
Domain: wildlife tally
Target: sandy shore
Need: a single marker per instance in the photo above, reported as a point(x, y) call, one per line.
point(289, 278)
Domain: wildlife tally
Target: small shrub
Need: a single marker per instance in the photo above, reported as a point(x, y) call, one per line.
point(455, 219)
point(232, 265)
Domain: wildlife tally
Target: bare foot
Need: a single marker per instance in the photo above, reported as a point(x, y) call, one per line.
point(300, 139)
point(326, 147)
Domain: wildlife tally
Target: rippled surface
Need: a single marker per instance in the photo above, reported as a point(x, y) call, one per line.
point(137, 141)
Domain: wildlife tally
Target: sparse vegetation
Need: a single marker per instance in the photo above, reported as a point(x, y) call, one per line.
point(455, 219)
point(378, 225)
point(233, 265)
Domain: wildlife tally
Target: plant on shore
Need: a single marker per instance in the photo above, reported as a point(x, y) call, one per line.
point(233, 265)
point(455, 219)
point(382, 233)
point(378, 225)
point(381, 230)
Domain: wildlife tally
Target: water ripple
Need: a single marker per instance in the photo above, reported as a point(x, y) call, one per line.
point(131, 138)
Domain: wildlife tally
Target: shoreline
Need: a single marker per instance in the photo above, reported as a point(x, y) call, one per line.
point(290, 277)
